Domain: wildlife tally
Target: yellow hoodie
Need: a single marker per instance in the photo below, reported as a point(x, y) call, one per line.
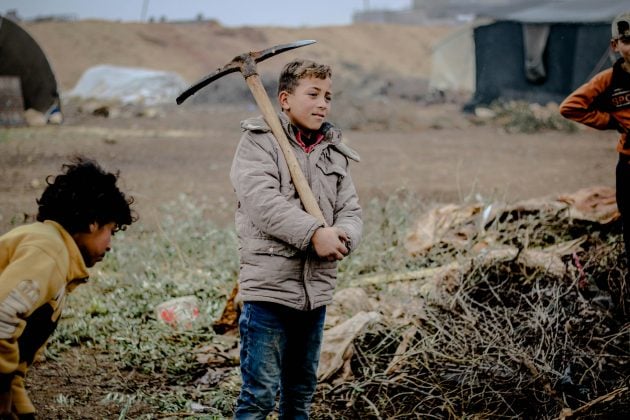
point(39, 264)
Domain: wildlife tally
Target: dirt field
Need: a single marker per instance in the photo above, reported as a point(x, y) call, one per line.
point(190, 153)
point(431, 150)
point(441, 156)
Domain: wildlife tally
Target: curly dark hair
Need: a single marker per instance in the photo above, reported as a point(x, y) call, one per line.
point(83, 194)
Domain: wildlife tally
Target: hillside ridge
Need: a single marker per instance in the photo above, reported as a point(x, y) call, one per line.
point(195, 49)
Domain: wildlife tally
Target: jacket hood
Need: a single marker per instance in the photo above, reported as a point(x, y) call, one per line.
point(331, 133)
point(77, 270)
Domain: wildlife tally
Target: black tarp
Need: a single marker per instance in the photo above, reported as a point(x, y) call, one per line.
point(577, 47)
point(574, 53)
point(21, 56)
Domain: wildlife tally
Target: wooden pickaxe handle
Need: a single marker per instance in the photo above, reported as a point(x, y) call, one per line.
point(246, 64)
point(297, 176)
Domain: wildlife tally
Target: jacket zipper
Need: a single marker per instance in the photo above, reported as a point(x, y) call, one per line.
point(307, 263)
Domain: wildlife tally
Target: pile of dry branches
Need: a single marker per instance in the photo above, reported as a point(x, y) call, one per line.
point(506, 340)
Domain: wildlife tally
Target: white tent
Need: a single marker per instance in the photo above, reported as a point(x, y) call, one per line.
point(129, 85)
point(453, 62)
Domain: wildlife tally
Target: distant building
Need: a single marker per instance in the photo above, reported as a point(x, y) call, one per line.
point(443, 11)
point(67, 17)
point(13, 15)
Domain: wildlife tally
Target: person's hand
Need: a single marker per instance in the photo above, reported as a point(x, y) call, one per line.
point(621, 129)
point(330, 243)
point(613, 124)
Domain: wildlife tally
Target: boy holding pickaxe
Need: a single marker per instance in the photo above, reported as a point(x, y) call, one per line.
point(288, 256)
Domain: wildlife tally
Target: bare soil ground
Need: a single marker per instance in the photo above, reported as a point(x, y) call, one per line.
point(433, 151)
point(189, 153)
point(441, 156)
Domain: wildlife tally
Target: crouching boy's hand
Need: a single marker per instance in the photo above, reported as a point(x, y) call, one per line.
point(5, 405)
point(330, 243)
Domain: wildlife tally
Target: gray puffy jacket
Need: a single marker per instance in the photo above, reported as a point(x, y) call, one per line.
point(278, 263)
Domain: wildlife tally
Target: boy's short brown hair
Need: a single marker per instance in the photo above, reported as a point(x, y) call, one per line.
point(296, 70)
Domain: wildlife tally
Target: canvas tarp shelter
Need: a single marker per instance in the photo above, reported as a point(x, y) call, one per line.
point(453, 62)
point(21, 56)
point(541, 54)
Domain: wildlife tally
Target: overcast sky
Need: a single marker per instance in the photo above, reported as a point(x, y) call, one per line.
point(227, 12)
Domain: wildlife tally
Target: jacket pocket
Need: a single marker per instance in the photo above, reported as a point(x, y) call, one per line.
point(259, 246)
point(331, 175)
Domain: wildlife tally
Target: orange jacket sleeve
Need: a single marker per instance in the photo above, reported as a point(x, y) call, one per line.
point(580, 106)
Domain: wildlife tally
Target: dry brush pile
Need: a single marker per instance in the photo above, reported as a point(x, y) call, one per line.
point(482, 311)
point(509, 312)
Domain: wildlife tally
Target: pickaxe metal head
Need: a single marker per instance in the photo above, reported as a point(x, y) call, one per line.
point(245, 63)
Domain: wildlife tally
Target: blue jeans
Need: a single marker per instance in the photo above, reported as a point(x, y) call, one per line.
point(279, 351)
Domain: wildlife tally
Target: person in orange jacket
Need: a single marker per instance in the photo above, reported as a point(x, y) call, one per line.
point(78, 213)
point(604, 103)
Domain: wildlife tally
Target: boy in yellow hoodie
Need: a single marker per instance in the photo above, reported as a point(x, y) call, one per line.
point(604, 103)
point(78, 213)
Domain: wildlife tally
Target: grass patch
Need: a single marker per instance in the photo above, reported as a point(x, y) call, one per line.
point(529, 118)
point(503, 326)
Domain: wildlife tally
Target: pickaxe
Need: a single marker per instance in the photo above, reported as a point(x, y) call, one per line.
point(246, 64)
